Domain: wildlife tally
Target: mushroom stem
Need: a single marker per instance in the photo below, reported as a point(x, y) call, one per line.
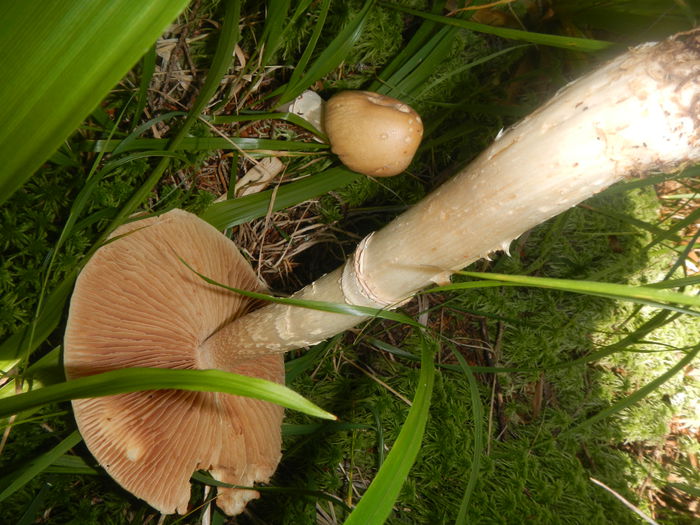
point(637, 114)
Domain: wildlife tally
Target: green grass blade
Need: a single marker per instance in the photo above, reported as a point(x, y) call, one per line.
point(418, 68)
point(308, 51)
point(289, 117)
point(228, 38)
point(69, 464)
point(675, 231)
point(478, 416)
point(16, 480)
point(137, 379)
point(466, 67)
point(25, 340)
point(331, 57)
point(572, 43)
point(639, 394)
point(375, 505)
point(206, 478)
point(692, 491)
point(138, 130)
point(202, 144)
point(47, 370)
point(693, 280)
point(408, 52)
point(336, 308)
point(148, 68)
point(232, 212)
point(32, 511)
point(656, 231)
point(646, 294)
point(64, 57)
point(271, 37)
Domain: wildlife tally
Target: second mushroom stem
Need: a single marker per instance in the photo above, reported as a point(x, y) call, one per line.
point(635, 115)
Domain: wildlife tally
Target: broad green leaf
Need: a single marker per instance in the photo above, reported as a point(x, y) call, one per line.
point(375, 505)
point(14, 481)
point(232, 212)
point(29, 337)
point(137, 379)
point(60, 59)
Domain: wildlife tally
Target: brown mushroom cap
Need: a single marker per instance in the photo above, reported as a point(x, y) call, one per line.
point(372, 133)
point(136, 304)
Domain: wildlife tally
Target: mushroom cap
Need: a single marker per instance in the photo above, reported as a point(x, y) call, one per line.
point(372, 133)
point(136, 304)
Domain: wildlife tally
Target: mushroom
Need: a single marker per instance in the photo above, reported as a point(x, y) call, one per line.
point(634, 116)
point(136, 304)
point(371, 133)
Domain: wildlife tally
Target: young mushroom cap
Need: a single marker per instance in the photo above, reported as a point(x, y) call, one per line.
point(371, 133)
point(136, 304)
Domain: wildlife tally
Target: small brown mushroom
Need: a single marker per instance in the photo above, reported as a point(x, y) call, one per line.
point(137, 305)
point(372, 133)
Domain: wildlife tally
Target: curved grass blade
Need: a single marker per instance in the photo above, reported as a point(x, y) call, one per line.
point(207, 479)
point(138, 130)
point(408, 53)
point(643, 294)
point(308, 51)
point(478, 416)
point(417, 69)
point(336, 308)
point(289, 117)
point(64, 57)
point(651, 228)
point(16, 480)
point(228, 38)
point(566, 42)
point(331, 57)
point(31, 513)
point(45, 371)
point(637, 395)
point(466, 67)
point(137, 379)
point(272, 34)
point(148, 68)
point(202, 144)
point(232, 212)
point(70, 464)
point(375, 505)
point(25, 340)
